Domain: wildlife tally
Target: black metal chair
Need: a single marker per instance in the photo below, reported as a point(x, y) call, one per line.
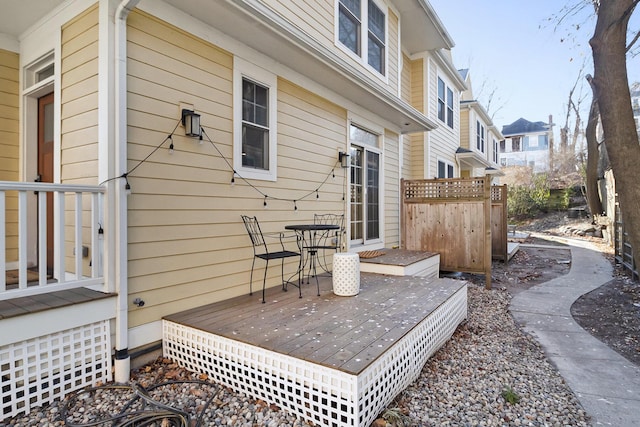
point(261, 250)
point(330, 240)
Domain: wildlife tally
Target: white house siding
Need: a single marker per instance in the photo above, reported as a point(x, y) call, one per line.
point(391, 190)
point(79, 116)
point(9, 142)
point(187, 244)
point(442, 141)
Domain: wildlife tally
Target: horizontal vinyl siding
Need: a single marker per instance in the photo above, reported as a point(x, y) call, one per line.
point(443, 140)
point(465, 130)
point(79, 119)
point(406, 85)
point(393, 63)
point(391, 190)
point(9, 143)
point(315, 18)
point(417, 101)
point(79, 99)
point(187, 243)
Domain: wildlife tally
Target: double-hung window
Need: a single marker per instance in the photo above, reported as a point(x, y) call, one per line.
point(445, 103)
point(254, 122)
point(479, 136)
point(495, 151)
point(362, 28)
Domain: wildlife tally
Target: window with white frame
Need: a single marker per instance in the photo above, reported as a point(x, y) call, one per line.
point(255, 114)
point(445, 169)
point(495, 150)
point(362, 28)
point(479, 136)
point(445, 103)
point(365, 199)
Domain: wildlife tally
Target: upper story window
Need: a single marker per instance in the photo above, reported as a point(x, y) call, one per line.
point(362, 28)
point(255, 113)
point(445, 103)
point(495, 151)
point(479, 136)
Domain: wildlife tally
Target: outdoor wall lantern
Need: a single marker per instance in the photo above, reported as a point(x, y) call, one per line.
point(343, 158)
point(191, 122)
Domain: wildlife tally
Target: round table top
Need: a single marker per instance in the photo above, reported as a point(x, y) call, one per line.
point(312, 227)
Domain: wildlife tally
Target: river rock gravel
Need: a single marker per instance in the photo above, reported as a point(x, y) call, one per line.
point(468, 382)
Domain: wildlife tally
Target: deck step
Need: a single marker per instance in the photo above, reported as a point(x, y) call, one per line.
point(401, 262)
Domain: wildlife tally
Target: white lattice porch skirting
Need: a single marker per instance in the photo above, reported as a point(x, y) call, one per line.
point(313, 392)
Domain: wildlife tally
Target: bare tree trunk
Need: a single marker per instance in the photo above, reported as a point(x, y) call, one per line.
point(593, 157)
point(612, 92)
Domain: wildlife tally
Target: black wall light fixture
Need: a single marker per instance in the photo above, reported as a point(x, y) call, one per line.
point(343, 158)
point(191, 123)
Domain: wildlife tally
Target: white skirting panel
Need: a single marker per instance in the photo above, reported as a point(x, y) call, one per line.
point(313, 392)
point(40, 370)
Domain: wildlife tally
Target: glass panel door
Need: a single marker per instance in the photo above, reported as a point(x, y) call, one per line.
point(365, 195)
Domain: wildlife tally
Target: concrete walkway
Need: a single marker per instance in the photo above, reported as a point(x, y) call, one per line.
point(607, 384)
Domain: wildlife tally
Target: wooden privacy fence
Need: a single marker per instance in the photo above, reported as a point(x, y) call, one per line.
point(499, 222)
point(451, 217)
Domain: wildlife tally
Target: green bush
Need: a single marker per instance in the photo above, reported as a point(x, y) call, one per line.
point(527, 201)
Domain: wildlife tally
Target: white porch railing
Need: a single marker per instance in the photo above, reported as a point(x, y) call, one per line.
point(78, 215)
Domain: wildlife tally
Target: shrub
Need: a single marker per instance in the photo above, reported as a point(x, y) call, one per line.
point(526, 201)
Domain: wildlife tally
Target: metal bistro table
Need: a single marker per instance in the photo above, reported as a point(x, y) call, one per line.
point(311, 235)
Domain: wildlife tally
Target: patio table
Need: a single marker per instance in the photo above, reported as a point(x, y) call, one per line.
point(310, 236)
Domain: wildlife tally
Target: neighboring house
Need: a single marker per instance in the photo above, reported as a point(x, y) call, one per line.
point(478, 151)
point(93, 95)
point(526, 143)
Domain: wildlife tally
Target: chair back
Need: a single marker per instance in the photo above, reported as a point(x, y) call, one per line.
point(333, 219)
point(255, 233)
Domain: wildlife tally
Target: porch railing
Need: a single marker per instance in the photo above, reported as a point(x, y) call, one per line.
point(77, 242)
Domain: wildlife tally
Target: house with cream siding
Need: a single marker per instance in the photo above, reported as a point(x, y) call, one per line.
point(103, 193)
point(479, 137)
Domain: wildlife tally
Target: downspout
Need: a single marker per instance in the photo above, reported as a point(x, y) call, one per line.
point(122, 362)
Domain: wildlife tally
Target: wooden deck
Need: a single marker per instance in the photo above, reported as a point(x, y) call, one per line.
point(329, 359)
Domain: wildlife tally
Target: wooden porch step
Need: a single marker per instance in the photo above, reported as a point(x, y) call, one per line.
point(401, 262)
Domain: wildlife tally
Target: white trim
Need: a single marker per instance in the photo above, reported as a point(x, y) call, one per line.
point(363, 58)
point(145, 334)
point(244, 69)
point(26, 327)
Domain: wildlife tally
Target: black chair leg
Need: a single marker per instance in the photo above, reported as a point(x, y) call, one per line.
point(251, 277)
point(264, 280)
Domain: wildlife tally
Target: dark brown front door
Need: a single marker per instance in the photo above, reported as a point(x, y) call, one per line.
point(45, 163)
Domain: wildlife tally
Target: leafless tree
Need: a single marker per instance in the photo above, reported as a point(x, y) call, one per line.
point(610, 47)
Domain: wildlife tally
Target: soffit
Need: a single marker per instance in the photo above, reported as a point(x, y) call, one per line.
point(19, 15)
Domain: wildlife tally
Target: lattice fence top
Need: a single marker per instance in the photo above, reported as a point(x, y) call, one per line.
point(452, 188)
point(498, 192)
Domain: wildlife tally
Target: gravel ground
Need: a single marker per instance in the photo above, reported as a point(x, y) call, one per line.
point(466, 383)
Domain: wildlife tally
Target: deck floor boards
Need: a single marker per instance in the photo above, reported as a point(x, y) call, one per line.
point(345, 333)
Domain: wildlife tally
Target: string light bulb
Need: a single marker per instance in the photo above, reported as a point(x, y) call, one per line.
point(265, 201)
point(171, 147)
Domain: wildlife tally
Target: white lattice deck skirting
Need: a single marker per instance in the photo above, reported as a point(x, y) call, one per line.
point(39, 370)
point(322, 395)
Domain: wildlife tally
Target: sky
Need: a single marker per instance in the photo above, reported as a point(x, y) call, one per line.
point(516, 49)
